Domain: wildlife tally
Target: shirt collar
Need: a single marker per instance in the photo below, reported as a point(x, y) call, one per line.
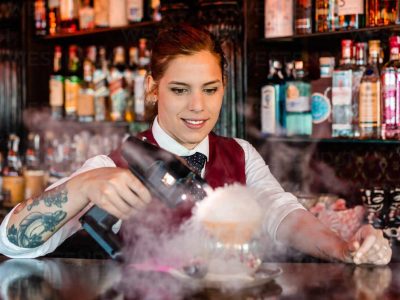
point(168, 143)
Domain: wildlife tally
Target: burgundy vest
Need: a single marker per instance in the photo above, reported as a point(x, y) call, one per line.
point(226, 165)
point(226, 161)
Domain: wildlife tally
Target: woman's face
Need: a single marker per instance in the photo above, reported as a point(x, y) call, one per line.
point(189, 97)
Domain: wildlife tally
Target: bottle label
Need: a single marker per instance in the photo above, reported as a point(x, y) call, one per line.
point(71, 96)
point(296, 98)
point(341, 87)
point(350, 7)
point(389, 98)
point(320, 108)
point(56, 91)
point(268, 103)
point(101, 9)
point(278, 18)
point(369, 112)
point(135, 10)
point(139, 97)
point(86, 103)
point(118, 97)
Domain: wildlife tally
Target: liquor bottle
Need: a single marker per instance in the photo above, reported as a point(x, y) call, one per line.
point(40, 17)
point(117, 13)
point(151, 10)
point(13, 181)
point(118, 92)
point(101, 13)
point(390, 79)
point(54, 16)
point(34, 173)
point(370, 95)
point(144, 54)
point(101, 91)
point(72, 83)
point(69, 12)
point(130, 74)
point(326, 15)
point(303, 17)
point(381, 12)
point(321, 98)
point(278, 18)
point(86, 16)
point(298, 103)
point(85, 108)
point(342, 94)
point(135, 10)
point(272, 94)
point(57, 85)
point(351, 14)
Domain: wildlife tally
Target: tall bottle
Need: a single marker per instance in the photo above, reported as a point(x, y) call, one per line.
point(130, 75)
point(278, 18)
point(351, 14)
point(13, 180)
point(140, 76)
point(57, 85)
point(298, 103)
point(72, 83)
point(101, 90)
point(69, 15)
point(303, 17)
point(381, 12)
point(390, 79)
point(117, 13)
point(34, 173)
point(118, 92)
point(272, 93)
point(370, 95)
point(135, 9)
point(54, 16)
point(101, 13)
point(326, 15)
point(86, 16)
point(85, 108)
point(342, 94)
point(40, 17)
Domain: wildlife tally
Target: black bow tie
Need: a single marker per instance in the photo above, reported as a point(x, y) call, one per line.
point(196, 161)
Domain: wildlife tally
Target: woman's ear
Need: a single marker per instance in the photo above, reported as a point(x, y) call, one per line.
point(150, 85)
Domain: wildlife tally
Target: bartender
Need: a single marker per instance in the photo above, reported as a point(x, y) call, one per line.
point(186, 83)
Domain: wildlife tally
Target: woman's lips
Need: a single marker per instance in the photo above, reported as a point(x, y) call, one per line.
point(194, 124)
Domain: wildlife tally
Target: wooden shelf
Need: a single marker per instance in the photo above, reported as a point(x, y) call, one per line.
point(97, 31)
point(355, 33)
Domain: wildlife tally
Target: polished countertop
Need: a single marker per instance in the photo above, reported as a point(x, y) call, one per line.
point(56, 278)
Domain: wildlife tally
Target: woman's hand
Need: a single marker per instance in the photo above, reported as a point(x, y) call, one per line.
point(115, 190)
point(368, 246)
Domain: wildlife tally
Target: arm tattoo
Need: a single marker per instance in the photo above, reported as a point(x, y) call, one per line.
point(32, 228)
point(57, 196)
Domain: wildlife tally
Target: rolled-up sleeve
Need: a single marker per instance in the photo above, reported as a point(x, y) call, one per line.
point(275, 202)
point(73, 225)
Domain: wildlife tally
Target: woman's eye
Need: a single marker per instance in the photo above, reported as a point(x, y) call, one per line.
point(179, 91)
point(210, 91)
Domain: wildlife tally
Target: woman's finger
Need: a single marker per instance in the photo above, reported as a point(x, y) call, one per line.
point(364, 248)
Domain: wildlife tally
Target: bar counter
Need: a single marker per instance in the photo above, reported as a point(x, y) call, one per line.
point(56, 278)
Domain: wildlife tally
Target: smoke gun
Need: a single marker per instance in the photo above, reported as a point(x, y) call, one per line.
point(167, 177)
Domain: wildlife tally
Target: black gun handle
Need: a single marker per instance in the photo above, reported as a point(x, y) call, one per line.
point(98, 224)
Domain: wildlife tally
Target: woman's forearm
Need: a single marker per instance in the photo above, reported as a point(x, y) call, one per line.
point(301, 230)
point(36, 219)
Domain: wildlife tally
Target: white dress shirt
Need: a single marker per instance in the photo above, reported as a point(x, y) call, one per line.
point(276, 204)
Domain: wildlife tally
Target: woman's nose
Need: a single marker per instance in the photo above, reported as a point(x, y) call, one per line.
point(196, 102)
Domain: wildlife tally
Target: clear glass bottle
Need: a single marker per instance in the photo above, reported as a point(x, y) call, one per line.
point(381, 12)
point(326, 15)
point(13, 180)
point(86, 16)
point(298, 103)
point(390, 79)
point(351, 14)
point(118, 92)
point(56, 85)
point(278, 18)
point(370, 96)
point(85, 109)
point(100, 82)
point(303, 17)
point(69, 16)
point(342, 94)
point(272, 94)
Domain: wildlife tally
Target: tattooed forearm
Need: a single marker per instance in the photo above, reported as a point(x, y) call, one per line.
point(57, 196)
point(33, 228)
